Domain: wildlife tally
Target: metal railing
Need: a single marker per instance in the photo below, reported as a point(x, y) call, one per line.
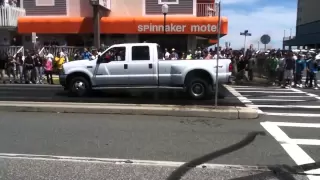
point(12, 50)
point(69, 50)
point(9, 15)
point(207, 9)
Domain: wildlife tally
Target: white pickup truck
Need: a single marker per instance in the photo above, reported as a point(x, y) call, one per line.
point(141, 66)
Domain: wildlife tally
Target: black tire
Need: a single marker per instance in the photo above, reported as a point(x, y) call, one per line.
point(199, 89)
point(79, 87)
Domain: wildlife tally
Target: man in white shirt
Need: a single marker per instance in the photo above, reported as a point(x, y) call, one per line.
point(166, 54)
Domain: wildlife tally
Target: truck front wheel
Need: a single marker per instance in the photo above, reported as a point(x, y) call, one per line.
point(79, 86)
point(198, 89)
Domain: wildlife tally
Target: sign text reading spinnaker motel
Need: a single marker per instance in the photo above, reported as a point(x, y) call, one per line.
point(178, 28)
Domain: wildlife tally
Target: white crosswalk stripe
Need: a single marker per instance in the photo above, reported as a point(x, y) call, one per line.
point(276, 101)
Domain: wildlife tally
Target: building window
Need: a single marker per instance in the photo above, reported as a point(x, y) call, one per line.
point(168, 1)
point(45, 2)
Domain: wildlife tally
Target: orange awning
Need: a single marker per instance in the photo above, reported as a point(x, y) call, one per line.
point(122, 25)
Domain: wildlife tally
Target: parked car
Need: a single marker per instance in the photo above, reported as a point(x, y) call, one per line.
point(141, 66)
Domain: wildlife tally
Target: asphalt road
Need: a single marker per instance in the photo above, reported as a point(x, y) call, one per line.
point(55, 93)
point(82, 146)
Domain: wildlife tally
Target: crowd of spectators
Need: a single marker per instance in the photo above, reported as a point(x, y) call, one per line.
point(6, 3)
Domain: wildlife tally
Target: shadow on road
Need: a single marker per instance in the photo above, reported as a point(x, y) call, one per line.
point(182, 170)
point(47, 93)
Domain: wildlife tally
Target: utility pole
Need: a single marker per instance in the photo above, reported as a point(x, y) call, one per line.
point(245, 34)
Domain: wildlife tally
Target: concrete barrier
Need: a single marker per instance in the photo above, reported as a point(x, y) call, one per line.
point(224, 112)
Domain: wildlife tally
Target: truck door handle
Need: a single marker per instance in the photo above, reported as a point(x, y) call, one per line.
point(150, 66)
point(125, 66)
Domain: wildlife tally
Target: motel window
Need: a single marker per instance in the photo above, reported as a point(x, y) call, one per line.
point(45, 2)
point(140, 53)
point(168, 1)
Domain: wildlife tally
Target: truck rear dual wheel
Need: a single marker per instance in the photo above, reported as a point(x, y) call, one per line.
point(199, 89)
point(79, 87)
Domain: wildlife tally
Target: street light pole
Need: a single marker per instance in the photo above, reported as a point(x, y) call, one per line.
point(165, 10)
point(245, 34)
point(218, 55)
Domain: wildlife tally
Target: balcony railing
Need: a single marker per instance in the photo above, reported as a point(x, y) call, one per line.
point(9, 16)
point(288, 38)
point(207, 9)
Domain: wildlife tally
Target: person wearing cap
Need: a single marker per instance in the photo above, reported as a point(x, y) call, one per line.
point(174, 54)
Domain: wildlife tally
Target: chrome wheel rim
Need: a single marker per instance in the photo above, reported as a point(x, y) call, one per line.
point(79, 87)
point(197, 89)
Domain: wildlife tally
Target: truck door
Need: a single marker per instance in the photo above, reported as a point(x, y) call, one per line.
point(112, 71)
point(141, 67)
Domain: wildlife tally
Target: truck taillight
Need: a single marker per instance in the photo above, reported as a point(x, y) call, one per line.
point(230, 67)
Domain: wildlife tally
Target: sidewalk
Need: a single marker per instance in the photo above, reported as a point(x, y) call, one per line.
point(54, 77)
point(224, 112)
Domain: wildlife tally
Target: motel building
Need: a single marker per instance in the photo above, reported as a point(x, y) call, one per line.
point(189, 23)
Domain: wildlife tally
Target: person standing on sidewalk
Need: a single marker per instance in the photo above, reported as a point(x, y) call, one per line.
point(38, 69)
point(289, 68)
point(273, 64)
point(19, 64)
point(3, 59)
point(300, 67)
point(280, 70)
point(251, 63)
point(307, 60)
point(28, 68)
point(11, 65)
point(312, 68)
point(48, 68)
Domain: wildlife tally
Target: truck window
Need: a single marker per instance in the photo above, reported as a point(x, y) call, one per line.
point(140, 53)
point(116, 54)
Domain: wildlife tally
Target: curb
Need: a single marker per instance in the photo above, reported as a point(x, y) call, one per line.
point(224, 112)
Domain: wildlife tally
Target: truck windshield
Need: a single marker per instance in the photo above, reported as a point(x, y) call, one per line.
point(160, 53)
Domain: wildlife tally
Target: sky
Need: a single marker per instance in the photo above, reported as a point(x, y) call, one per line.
point(271, 17)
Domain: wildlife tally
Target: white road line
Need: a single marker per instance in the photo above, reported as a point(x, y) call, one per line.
point(271, 89)
point(283, 100)
point(287, 96)
point(120, 161)
point(283, 106)
point(241, 98)
point(295, 152)
point(240, 86)
point(291, 124)
point(291, 114)
point(310, 142)
point(308, 94)
point(273, 92)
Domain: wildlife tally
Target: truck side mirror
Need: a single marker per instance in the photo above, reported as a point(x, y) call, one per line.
point(99, 60)
point(102, 59)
